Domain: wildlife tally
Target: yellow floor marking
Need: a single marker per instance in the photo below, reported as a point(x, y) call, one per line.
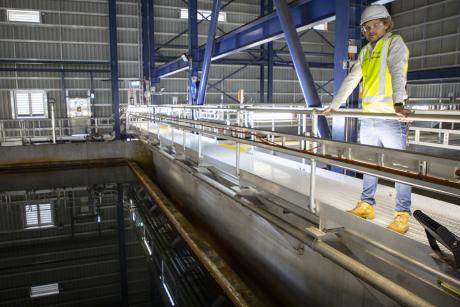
point(243, 147)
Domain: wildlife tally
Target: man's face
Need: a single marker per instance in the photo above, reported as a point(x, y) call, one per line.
point(374, 30)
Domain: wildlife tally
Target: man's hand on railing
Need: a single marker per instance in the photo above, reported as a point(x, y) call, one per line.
point(403, 114)
point(328, 111)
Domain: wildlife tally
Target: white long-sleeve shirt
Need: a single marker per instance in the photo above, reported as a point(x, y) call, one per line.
point(398, 55)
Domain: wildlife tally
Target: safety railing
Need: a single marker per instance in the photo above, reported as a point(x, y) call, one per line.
point(42, 129)
point(428, 172)
point(436, 137)
point(274, 117)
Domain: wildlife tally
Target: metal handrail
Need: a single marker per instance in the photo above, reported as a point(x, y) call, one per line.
point(437, 116)
point(421, 170)
point(43, 127)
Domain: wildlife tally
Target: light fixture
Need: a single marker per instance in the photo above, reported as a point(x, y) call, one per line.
point(203, 14)
point(168, 293)
point(23, 15)
point(44, 290)
point(147, 245)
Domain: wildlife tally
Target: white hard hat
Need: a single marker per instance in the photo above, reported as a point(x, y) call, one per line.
point(372, 12)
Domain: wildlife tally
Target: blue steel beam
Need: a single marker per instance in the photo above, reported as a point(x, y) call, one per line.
point(270, 55)
point(193, 35)
point(177, 64)
point(434, 74)
point(262, 55)
point(208, 51)
point(262, 79)
point(255, 50)
point(193, 48)
point(168, 43)
point(270, 65)
point(301, 66)
point(114, 66)
point(151, 37)
point(145, 40)
point(260, 31)
point(347, 27)
point(258, 61)
point(342, 34)
point(310, 64)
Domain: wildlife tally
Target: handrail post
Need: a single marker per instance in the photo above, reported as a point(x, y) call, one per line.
point(314, 131)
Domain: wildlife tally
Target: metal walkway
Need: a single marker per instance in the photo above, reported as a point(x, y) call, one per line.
point(333, 189)
point(286, 177)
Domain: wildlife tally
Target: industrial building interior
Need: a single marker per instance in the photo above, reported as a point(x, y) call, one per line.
point(175, 153)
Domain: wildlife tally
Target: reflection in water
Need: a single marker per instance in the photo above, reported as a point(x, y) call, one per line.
point(63, 242)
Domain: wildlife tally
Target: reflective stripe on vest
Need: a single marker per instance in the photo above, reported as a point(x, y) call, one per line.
point(378, 89)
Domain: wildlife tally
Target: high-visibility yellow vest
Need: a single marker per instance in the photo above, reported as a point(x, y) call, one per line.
point(377, 94)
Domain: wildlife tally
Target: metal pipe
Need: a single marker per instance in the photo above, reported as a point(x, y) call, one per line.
point(301, 66)
point(425, 117)
point(53, 122)
point(52, 69)
point(232, 285)
point(208, 51)
point(40, 61)
point(374, 279)
point(300, 109)
point(359, 270)
point(63, 89)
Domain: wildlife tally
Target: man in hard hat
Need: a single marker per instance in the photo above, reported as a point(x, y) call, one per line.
point(382, 64)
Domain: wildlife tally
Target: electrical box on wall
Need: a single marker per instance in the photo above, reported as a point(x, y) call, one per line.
point(135, 93)
point(78, 107)
point(79, 114)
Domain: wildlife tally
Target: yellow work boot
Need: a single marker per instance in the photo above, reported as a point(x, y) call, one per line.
point(364, 210)
point(400, 223)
